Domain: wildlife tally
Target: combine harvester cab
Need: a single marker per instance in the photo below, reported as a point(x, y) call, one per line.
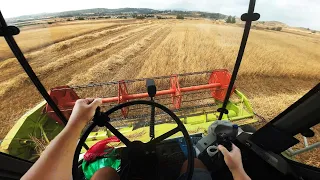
point(192, 105)
point(196, 98)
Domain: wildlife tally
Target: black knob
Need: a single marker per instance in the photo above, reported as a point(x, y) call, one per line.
point(151, 88)
point(224, 140)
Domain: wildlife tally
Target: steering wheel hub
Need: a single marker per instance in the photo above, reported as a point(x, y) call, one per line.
point(138, 150)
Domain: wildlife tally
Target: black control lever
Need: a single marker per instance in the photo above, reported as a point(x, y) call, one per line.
point(224, 140)
point(226, 137)
point(152, 90)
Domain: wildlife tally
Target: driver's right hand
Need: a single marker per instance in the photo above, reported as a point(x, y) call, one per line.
point(234, 162)
point(232, 158)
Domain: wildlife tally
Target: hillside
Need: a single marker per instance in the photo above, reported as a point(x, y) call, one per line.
point(27, 20)
point(108, 12)
point(270, 23)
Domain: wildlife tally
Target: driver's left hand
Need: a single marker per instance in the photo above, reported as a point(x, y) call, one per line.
point(83, 111)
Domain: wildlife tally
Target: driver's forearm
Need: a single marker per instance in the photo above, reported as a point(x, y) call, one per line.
point(240, 174)
point(56, 161)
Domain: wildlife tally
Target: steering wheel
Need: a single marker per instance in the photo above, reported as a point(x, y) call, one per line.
point(136, 150)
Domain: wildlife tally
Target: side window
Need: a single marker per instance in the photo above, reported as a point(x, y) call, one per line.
point(307, 151)
point(25, 130)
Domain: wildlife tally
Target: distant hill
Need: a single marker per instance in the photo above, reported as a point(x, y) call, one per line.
point(84, 12)
point(120, 11)
point(270, 23)
point(130, 12)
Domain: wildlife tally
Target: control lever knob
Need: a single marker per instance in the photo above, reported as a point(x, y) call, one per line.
point(224, 140)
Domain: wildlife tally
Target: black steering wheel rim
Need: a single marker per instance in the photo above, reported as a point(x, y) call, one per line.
point(180, 126)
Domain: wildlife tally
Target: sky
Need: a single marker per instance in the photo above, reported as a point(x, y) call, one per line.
point(298, 13)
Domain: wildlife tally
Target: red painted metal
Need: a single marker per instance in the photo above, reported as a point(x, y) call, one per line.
point(222, 77)
point(201, 87)
point(122, 97)
point(62, 96)
point(219, 80)
point(176, 91)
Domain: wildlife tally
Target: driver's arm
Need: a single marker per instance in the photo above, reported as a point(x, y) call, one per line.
point(56, 161)
point(234, 162)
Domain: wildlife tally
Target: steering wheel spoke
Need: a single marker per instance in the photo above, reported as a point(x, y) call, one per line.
point(120, 136)
point(165, 135)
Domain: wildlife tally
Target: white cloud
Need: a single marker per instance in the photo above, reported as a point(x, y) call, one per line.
point(293, 12)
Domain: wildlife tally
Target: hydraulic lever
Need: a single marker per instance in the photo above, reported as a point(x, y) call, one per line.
point(152, 90)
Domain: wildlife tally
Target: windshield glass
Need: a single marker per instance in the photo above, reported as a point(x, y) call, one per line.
point(84, 44)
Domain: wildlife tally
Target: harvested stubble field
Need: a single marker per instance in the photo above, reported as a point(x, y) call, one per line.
point(277, 69)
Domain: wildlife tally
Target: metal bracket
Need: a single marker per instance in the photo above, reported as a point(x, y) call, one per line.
point(307, 147)
point(9, 31)
point(250, 17)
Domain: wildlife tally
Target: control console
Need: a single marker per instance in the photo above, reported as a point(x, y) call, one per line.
point(220, 132)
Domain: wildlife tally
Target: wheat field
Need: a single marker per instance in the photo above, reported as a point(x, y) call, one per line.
point(277, 69)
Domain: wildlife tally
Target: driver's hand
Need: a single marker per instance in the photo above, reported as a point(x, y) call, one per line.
point(234, 162)
point(83, 111)
point(232, 158)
